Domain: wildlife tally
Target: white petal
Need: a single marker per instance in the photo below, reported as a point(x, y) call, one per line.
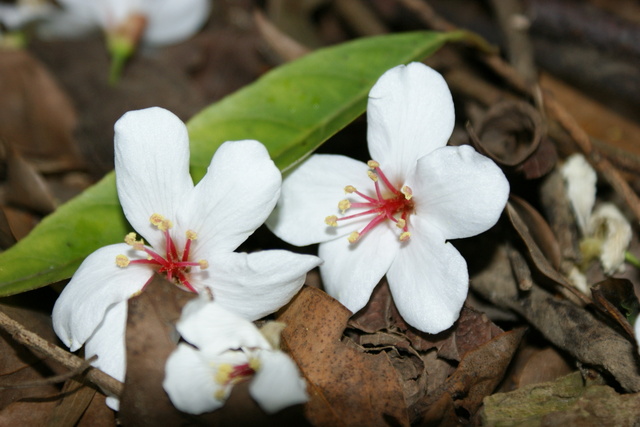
point(410, 113)
point(95, 287)
point(637, 332)
point(108, 343)
point(609, 224)
point(429, 280)
point(173, 21)
point(208, 325)
point(190, 381)
point(310, 193)
point(351, 271)
point(254, 285)
point(235, 197)
point(152, 168)
point(581, 187)
point(277, 384)
point(459, 191)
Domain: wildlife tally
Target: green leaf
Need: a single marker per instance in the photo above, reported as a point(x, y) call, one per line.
point(292, 110)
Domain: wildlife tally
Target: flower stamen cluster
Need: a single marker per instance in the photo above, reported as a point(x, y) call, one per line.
point(396, 207)
point(229, 374)
point(174, 264)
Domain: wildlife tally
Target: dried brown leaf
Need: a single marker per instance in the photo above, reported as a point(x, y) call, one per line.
point(513, 134)
point(478, 374)
point(347, 387)
point(150, 339)
point(37, 117)
point(563, 323)
point(25, 186)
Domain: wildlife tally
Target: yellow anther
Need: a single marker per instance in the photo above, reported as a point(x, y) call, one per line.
point(130, 239)
point(350, 189)
point(223, 374)
point(372, 176)
point(373, 164)
point(191, 235)
point(156, 219)
point(408, 193)
point(401, 223)
point(166, 224)
point(331, 220)
point(122, 261)
point(353, 237)
point(405, 236)
point(254, 363)
point(343, 205)
point(204, 264)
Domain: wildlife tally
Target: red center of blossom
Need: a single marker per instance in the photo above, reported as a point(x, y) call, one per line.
point(174, 264)
point(396, 207)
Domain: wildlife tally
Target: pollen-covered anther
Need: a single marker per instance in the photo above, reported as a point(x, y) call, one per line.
point(408, 193)
point(331, 221)
point(204, 264)
point(350, 189)
point(373, 164)
point(130, 239)
point(156, 219)
point(372, 176)
point(122, 261)
point(354, 237)
point(405, 236)
point(343, 205)
point(401, 223)
point(191, 235)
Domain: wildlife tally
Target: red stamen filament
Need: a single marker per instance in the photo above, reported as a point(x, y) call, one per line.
point(399, 203)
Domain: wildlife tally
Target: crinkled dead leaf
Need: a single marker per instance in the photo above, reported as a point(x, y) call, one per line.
point(347, 386)
point(37, 116)
point(533, 364)
point(478, 374)
point(567, 401)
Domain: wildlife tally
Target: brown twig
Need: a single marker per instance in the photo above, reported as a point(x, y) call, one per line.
point(34, 341)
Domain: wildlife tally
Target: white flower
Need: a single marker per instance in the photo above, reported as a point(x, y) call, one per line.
point(606, 232)
point(167, 21)
point(192, 232)
point(427, 194)
point(225, 349)
point(15, 16)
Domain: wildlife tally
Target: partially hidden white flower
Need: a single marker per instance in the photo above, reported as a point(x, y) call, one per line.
point(192, 232)
point(428, 194)
point(167, 21)
point(221, 350)
point(15, 16)
point(606, 232)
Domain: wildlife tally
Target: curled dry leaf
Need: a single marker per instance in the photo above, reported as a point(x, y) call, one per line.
point(563, 323)
point(347, 386)
point(541, 262)
point(513, 134)
point(37, 117)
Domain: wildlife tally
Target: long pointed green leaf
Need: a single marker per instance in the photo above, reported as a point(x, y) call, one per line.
point(292, 110)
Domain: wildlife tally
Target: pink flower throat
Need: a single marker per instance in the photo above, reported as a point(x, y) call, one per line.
point(397, 208)
point(176, 266)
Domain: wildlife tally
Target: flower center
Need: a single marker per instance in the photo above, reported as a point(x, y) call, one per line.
point(176, 265)
point(397, 207)
point(229, 374)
